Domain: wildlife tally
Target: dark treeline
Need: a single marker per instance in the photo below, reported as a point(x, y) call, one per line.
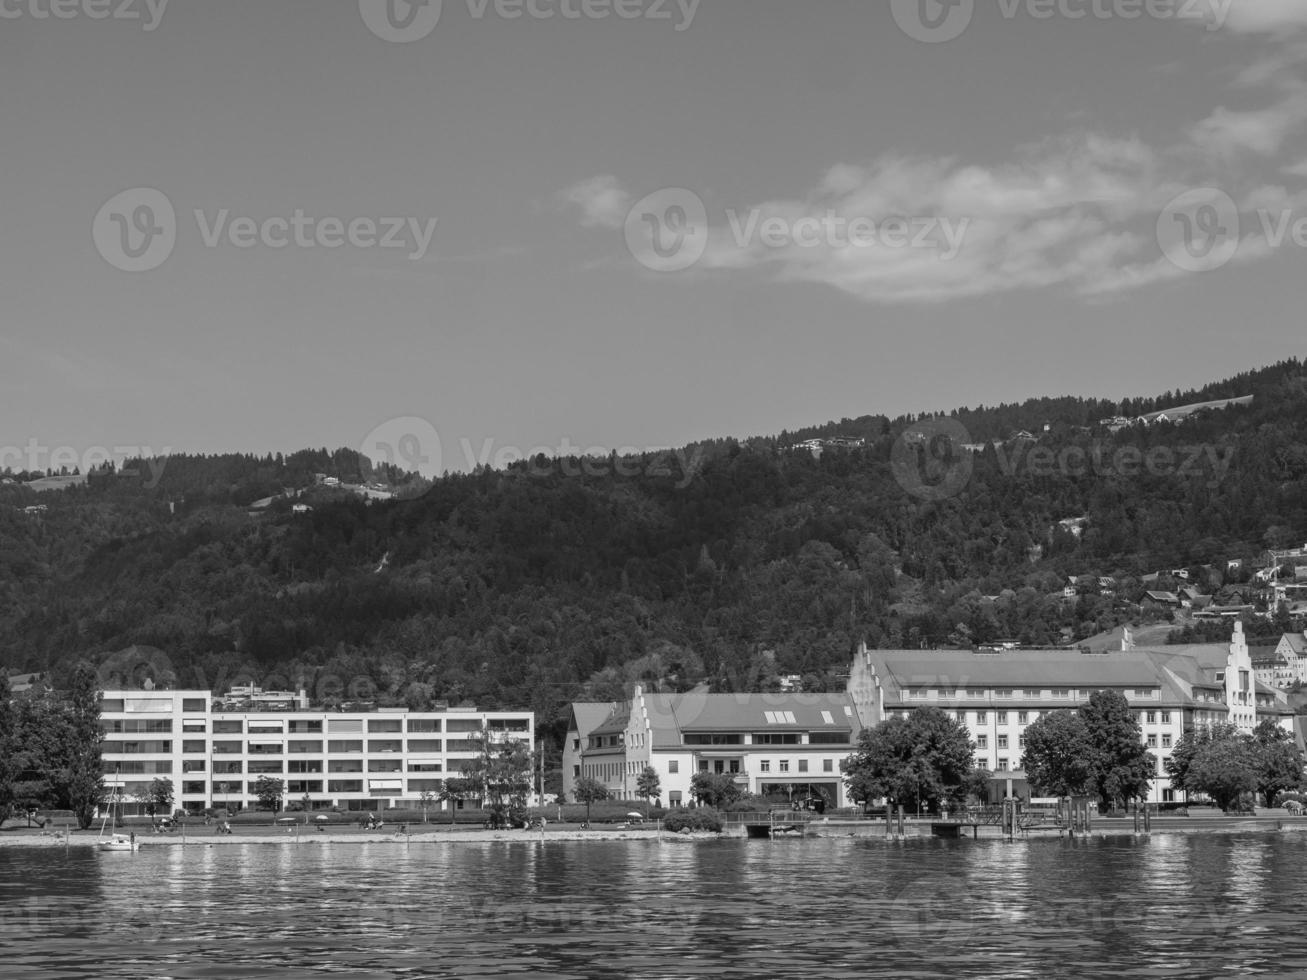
point(532, 586)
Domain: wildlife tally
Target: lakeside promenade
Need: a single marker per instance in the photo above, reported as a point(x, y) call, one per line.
point(418, 834)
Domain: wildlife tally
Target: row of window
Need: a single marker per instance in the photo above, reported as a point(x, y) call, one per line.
point(1024, 694)
point(1001, 741)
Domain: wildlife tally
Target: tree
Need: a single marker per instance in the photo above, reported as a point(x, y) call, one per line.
point(647, 784)
point(1279, 762)
point(82, 777)
point(1216, 760)
point(453, 792)
point(589, 790)
point(268, 791)
point(8, 749)
point(1119, 764)
point(928, 756)
point(1056, 757)
point(157, 797)
point(500, 775)
point(715, 789)
point(426, 801)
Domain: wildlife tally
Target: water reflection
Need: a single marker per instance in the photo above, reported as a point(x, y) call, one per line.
point(1194, 906)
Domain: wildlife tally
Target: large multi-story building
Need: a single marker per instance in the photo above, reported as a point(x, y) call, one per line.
point(214, 749)
point(796, 742)
point(998, 694)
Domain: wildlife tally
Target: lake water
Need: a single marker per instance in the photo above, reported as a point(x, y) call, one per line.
point(1188, 906)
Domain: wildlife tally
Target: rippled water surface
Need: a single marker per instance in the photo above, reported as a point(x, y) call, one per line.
point(1183, 906)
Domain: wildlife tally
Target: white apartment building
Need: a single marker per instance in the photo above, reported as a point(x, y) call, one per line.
point(215, 749)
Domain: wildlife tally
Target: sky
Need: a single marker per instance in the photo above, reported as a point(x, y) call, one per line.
point(466, 229)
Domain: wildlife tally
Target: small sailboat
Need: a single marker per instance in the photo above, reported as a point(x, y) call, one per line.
point(115, 841)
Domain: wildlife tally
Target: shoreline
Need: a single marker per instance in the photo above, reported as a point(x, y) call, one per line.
point(424, 835)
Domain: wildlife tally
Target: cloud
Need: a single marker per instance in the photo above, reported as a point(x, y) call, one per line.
point(1086, 212)
point(1262, 132)
point(602, 202)
point(1274, 17)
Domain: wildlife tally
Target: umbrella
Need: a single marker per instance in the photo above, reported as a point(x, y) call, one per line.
point(322, 817)
point(287, 820)
point(636, 815)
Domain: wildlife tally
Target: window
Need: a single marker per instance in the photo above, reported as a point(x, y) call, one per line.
point(1166, 741)
point(304, 765)
point(1061, 693)
point(383, 725)
point(191, 787)
point(1023, 717)
point(1002, 741)
point(827, 765)
point(673, 767)
point(779, 738)
point(1002, 765)
point(982, 741)
point(305, 727)
point(703, 765)
point(576, 745)
point(426, 726)
point(1003, 693)
point(1021, 741)
point(784, 765)
point(833, 738)
point(1000, 717)
point(228, 727)
point(1166, 717)
point(1152, 717)
point(764, 765)
point(722, 738)
point(1152, 741)
point(427, 745)
point(982, 717)
point(193, 704)
point(674, 798)
point(803, 765)
point(193, 746)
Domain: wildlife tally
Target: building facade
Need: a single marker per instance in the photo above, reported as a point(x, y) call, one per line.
point(998, 694)
point(786, 746)
point(214, 749)
point(793, 744)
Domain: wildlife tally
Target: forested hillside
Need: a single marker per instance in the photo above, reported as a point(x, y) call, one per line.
point(540, 584)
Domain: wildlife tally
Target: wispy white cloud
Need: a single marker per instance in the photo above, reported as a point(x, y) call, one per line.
point(1275, 17)
point(1083, 212)
point(602, 201)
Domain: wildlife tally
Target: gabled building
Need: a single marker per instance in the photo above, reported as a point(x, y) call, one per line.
point(998, 694)
point(788, 746)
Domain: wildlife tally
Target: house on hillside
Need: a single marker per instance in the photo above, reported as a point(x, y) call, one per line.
point(1285, 663)
point(1160, 600)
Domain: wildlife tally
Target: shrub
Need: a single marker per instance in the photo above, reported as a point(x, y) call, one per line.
point(704, 818)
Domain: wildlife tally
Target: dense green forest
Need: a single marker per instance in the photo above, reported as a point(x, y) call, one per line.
point(549, 581)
